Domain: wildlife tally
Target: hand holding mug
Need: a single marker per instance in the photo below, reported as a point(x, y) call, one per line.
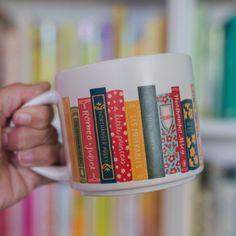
point(33, 142)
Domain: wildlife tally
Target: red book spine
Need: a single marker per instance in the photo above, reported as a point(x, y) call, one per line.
point(119, 135)
point(3, 222)
point(180, 128)
point(89, 140)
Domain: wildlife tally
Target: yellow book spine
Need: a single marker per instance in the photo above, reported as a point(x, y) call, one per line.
point(78, 215)
point(136, 140)
point(120, 12)
point(155, 35)
point(36, 54)
point(71, 140)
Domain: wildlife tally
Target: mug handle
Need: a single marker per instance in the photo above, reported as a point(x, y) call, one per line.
point(58, 173)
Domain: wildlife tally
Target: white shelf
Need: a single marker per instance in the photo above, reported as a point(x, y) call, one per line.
point(218, 129)
point(219, 141)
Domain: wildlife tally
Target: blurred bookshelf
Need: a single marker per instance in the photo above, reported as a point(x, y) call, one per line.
point(39, 38)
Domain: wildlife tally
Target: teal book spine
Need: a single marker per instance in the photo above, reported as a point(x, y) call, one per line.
point(229, 88)
point(79, 145)
point(190, 134)
point(151, 131)
point(103, 136)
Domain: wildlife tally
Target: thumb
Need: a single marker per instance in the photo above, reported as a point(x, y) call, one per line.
point(12, 97)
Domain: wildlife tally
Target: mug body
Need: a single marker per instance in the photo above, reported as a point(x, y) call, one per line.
point(130, 125)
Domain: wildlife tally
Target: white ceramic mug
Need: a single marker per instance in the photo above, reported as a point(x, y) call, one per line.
point(129, 125)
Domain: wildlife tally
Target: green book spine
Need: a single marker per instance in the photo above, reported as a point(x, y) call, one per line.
point(229, 101)
point(151, 131)
point(79, 145)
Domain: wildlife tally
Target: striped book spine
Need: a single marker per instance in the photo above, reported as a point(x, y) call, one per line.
point(151, 130)
point(89, 140)
point(79, 145)
point(169, 139)
point(103, 136)
point(116, 111)
point(71, 139)
point(136, 140)
point(180, 128)
point(190, 134)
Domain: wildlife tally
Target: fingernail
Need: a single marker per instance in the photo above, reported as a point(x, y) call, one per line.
point(23, 119)
point(4, 139)
point(25, 158)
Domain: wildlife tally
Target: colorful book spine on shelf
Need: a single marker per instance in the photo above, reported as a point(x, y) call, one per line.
point(77, 133)
point(190, 134)
point(78, 224)
point(151, 131)
point(119, 135)
point(71, 137)
point(229, 101)
point(136, 140)
point(47, 51)
point(180, 128)
point(14, 214)
point(103, 216)
point(89, 140)
point(103, 137)
point(3, 222)
point(36, 53)
point(169, 139)
point(107, 34)
point(120, 12)
point(27, 214)
point(68, 53)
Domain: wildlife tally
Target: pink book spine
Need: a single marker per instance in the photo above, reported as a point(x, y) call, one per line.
point(119, 135)
point(180, 128)
point(89, 140)
point(3, 222)
point(27, 212)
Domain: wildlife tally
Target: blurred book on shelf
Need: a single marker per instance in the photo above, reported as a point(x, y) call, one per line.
point(214, 62)
point(35, 49)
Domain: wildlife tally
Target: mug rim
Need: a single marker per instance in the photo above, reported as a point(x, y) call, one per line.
point(60, 74)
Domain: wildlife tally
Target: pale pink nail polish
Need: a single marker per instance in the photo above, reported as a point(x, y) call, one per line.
point(25, 158)
point(23, 119)
point(4, 139)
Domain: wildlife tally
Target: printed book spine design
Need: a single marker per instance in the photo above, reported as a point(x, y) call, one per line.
point(116, 111)
point(77, 132)
point(89, 140)
point(190, 134)
point(71, 139)
point(102, 131)
point(195, 110)
point(169, 139)
point(136, 140)
point(180, 128)
point(151, 130)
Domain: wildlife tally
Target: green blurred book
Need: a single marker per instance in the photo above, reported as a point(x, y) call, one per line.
point(229, 101)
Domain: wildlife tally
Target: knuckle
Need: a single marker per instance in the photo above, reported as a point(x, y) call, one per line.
point(51, 136)
point(17, 139)
point(45, 117)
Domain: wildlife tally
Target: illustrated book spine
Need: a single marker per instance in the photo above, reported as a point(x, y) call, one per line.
point(89, 140)
point(103, 137)
point(169, 139)
point(190, 134)
point(119, 135)
point(180, 128)
point(79, 145)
